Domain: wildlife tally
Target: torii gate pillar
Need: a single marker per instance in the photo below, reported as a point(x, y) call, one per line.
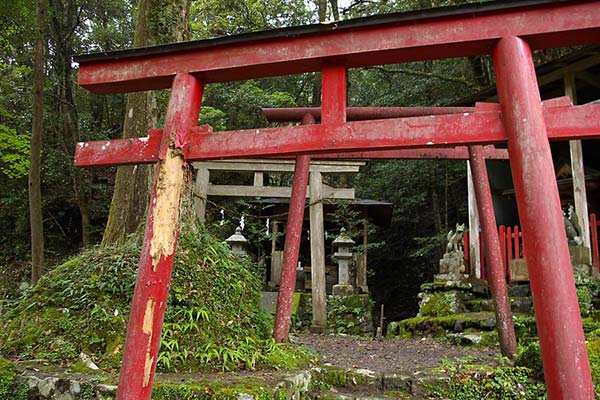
point(564, 355)
point(496, 276)
point(160, 240)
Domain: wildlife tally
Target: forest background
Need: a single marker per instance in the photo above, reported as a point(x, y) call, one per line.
point(39, 38)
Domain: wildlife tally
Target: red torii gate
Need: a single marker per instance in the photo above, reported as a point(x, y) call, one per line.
point(503, 29)
point(475, 154)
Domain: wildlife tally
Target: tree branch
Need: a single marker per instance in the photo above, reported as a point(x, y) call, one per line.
point(422, 74)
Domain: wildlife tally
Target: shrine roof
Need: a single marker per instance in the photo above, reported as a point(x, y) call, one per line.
point(315, 29)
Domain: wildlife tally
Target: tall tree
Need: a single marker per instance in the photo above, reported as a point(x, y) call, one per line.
point(35, 191)
point(158, 21)
point(66, 17)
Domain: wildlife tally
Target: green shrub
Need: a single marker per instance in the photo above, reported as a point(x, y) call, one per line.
point(213, 319)
point(502, 383)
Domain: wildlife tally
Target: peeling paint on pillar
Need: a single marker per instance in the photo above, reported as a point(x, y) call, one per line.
point(158, 249)
point(147, 329)
point(165, 213)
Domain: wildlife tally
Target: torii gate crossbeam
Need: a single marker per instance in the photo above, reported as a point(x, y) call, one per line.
point(508, 30)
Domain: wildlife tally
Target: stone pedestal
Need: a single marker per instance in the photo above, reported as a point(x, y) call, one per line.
point(343, 290)
point(452, 267)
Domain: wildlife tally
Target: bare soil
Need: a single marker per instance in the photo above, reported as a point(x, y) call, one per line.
point(387, 356)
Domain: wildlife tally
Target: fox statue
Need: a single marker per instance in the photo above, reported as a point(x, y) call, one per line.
point(455, 239)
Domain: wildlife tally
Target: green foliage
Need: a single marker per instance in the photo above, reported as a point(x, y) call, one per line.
point(9, 388)
point(467, 382)
point(213, 320)
point(530, 356)
point(8, 373)
point(593, 349)
point(216, 118)
point(212, 390)
point(212, 18)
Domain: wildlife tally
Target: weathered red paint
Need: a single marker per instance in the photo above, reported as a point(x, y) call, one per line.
point(291, 250)
point(453, 153)
point(495, 267)
point(563, 123)
point(361, 113)
point(562, 342)
point(152, 283)
point(594, 234)
point(333, 95)
point(549, 25)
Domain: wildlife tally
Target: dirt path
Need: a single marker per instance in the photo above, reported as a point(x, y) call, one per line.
point(391, 355)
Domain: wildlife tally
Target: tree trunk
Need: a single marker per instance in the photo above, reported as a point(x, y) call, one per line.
point(335, 11)
point(65, 17)
point(316, 89)
point(133, 183)
point(35, 191)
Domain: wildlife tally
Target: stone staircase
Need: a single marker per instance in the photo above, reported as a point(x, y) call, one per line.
point(462, 311)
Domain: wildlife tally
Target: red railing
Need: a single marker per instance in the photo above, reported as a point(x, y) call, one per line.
point(594, 240)
point(511, 246)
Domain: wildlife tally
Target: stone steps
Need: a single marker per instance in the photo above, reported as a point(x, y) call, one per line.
point(463, 312)
point(521, 305)
point(357, 384)
point(323, 382)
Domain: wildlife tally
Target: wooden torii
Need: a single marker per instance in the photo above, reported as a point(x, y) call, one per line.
point(506, 30)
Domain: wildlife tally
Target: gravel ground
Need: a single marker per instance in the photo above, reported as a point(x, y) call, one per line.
point(391, 355)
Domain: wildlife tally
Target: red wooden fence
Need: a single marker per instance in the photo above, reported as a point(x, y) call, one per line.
point(511, 246)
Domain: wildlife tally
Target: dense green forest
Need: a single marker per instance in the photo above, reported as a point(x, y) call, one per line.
point(428, 196)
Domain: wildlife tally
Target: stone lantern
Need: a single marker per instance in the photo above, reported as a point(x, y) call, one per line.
point(237, 242)
point(343, 243)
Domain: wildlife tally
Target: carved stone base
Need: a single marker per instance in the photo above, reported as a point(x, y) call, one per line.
point(343, 290)
point(452, 266)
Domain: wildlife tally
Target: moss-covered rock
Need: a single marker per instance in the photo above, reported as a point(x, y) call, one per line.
point(439, 326)
point(351, 315)
point(438, 304)
point(213, 319)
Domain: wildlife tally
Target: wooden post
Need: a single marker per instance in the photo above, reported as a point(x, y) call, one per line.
point(259, 179)
point(474, 227)
point(577, 170)
point(274, 232)
point(317, 254)
point(160, 240)
point(201, 193)
point(562, 342)
point(361, 270)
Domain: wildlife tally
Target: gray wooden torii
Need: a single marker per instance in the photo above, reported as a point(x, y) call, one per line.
point(317, 191)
